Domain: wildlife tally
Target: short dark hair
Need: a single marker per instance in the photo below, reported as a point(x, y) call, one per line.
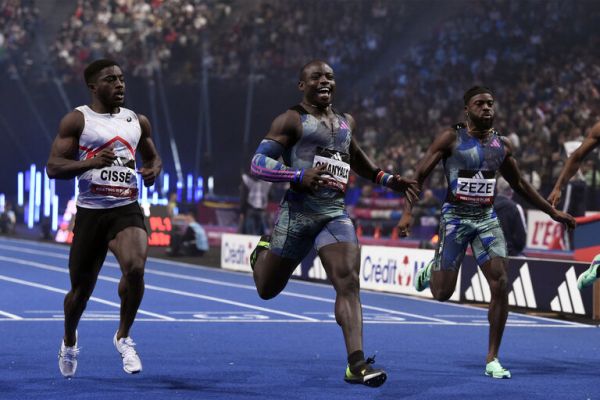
point(474, 91)
point(92, 69)
point(308, 64)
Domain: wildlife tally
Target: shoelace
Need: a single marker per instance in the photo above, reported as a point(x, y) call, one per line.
point(127, 346)
point(69, 353)
point(370, 360)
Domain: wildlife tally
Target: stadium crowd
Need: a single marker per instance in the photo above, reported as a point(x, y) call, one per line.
point(18, 20)
point(538, 62)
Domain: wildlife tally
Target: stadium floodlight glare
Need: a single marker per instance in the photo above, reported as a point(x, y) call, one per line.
point(38, 196)
point(20, 188)
point(165, 183)
point(47, 195)
point(190, 188)
point(144, 194)
point(31, 202)
point(199, 193)
point(211, 184)
point(54, 212)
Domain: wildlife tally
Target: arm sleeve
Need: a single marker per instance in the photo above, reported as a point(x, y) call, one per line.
point(266, 167)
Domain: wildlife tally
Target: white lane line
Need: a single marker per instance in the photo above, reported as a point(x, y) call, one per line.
point(294, 281)
point(62, 291)
point(246, 287)
point(161, 289)
point(10, 316)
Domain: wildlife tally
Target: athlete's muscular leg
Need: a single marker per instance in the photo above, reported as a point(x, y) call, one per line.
point(443, 284)
point(342, 264)
point(84, 267)
point(271, 273)
point(130, 247)
point(495, 273)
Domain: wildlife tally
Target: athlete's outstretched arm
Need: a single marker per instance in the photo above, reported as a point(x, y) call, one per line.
point(510, 171)
point(284, 132)
point(63, 162)
point(363, 166)
point(574, 162)
point(441, 146)
point(151, 161)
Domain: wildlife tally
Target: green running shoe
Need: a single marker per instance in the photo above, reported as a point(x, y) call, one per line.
point(366, 375)
point(494, 369)
point(263, 244)
point(588, 277)
point(423, 277)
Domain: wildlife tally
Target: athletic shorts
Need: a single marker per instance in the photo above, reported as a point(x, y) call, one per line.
point(461, 227)
point(100, 226)
point(299, 227)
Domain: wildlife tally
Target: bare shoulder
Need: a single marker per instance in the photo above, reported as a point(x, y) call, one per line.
point(508, 146)
point(350, 120)
point(285, 127)
point(72, 124)
point(144, 123)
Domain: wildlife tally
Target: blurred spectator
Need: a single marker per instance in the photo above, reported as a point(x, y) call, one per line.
point(188, 238)
point(426, 209)
point(8, 219)
point(172, 206)
point(511, 217)
point(254, 197)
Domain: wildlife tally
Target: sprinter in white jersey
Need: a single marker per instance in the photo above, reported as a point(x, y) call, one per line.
point(98, 144)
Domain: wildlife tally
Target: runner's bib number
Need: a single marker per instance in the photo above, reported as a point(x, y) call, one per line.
point(476, 186)
point(338, 167)
point(116, 181)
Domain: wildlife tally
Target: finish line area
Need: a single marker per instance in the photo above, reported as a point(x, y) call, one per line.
point(203, 332)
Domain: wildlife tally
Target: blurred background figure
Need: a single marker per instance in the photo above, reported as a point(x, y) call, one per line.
point(172, 206)
point(188, 237)
point(8, 219)
point(254, 198)
point(512, 218)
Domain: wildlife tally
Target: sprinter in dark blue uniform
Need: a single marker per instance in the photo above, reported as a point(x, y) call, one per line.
point(318, 151)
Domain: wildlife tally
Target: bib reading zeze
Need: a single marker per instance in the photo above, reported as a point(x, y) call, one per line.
point(115, 185)
point(338, 167)
point(475, 186)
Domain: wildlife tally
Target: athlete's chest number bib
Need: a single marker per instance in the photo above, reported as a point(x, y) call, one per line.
point(117, 181)
point(338, 167)
point(476, 186)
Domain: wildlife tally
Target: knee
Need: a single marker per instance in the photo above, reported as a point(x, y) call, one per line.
point(499, 286)
point(81, 294)
point(134, 270)
point(347, 282)
point(265, 293)
point(442, 294)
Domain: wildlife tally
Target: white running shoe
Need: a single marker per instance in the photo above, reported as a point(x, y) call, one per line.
point(67, 358)
point(131, 361)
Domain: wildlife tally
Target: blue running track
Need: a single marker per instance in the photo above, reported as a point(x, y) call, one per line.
point(203, 333)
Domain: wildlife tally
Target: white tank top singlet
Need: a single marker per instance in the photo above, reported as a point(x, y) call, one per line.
point(116, 185)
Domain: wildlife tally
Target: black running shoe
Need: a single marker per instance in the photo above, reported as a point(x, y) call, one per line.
point(365, 374)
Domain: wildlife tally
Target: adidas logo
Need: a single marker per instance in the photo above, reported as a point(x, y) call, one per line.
point(478, 175)
point(317, 271)
point(568, 298)
point(522, 294)
point(337, 156)
point(479, 289)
